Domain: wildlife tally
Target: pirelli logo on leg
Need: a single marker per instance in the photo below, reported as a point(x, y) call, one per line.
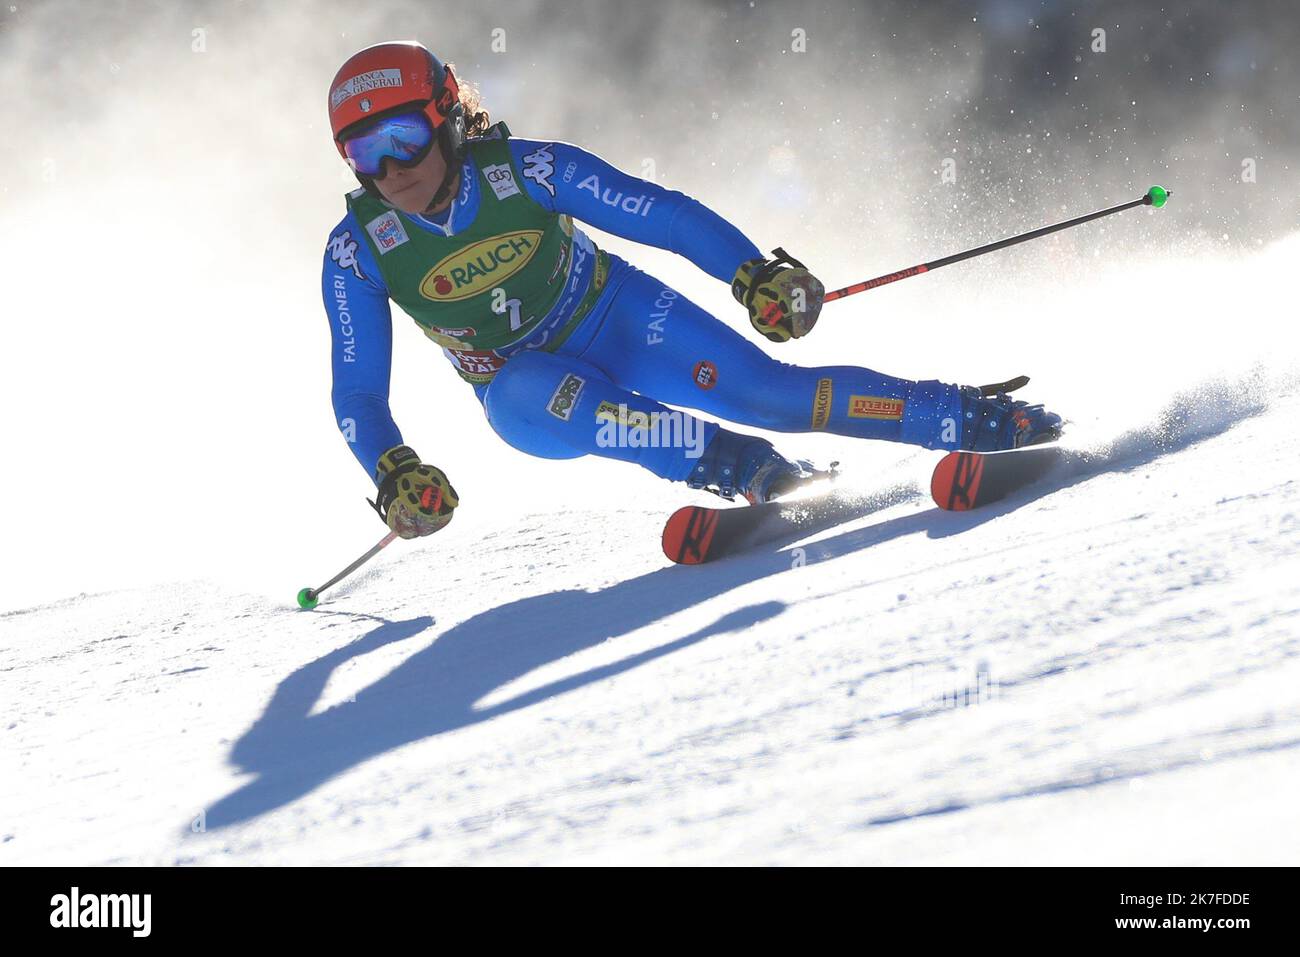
point(566, 396)
point(875, 407)
point(821, 411)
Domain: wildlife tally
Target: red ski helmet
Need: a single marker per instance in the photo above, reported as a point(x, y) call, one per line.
point(389, 78)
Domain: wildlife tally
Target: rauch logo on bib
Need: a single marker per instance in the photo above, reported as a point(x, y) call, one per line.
point(480, 266)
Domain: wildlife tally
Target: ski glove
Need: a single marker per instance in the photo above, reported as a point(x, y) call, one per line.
point(783, 298)
point(414, 499)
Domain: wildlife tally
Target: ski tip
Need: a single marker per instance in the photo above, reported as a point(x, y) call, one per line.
point(955, 481)
point(688, 534)
point(966, 480)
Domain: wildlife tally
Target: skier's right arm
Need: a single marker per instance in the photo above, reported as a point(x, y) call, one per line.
point(361, 333)
point(413, 498)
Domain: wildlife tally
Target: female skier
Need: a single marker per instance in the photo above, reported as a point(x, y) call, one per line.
point(471, 231)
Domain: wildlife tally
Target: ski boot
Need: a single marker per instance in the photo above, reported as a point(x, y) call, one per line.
point(991, 423)
point(743, 464)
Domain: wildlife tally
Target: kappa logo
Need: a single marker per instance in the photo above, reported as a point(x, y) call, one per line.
point(875, 407)
point(539, 166)
point(821, 411)
point(387, 231)
point(480, 266)
point(565, 396)
point(502, 180)
point(343, 250)
point(706, 374)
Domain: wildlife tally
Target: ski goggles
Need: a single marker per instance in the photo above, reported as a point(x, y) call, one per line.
point(404, 138)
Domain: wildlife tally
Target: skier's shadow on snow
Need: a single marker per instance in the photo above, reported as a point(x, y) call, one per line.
point(293, 751)
point(436, 690)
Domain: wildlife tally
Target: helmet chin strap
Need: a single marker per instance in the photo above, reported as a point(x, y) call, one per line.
point(448, 177)
point(443, 192)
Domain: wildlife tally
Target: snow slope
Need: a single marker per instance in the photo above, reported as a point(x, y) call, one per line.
point(1101, 670)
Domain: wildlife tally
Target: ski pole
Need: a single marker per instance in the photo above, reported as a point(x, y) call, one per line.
point(308, 597)
point(1156, 197)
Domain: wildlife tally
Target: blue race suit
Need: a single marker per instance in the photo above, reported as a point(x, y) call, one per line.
point(641, 345)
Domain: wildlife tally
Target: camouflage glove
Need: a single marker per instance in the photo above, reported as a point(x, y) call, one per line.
point(414, 499)
point(783, 298)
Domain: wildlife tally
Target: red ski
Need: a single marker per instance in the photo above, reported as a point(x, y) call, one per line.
point(697, 534)
point(965, 480)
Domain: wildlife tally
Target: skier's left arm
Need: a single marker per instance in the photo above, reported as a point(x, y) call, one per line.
point(782, 297)
point(567, 179)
